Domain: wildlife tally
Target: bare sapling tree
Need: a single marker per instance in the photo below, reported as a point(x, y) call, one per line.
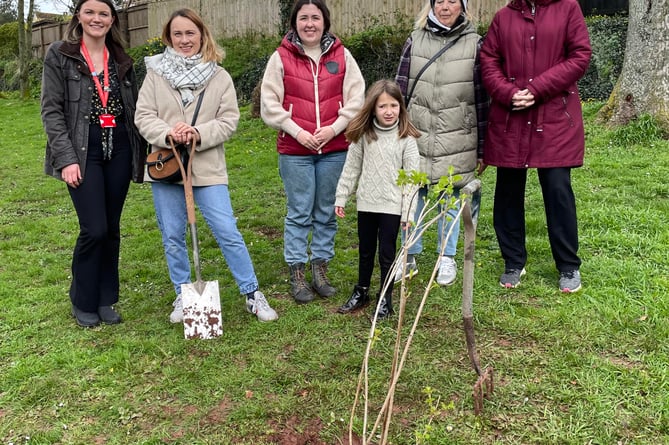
point(643, 85)
point(438, 202)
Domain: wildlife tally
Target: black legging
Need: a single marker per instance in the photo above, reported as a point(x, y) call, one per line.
point(372, 227)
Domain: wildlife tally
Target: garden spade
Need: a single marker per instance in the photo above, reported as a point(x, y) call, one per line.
point(201, 299)
point(484, 386)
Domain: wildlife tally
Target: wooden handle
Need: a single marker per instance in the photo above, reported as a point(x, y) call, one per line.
point(186, 174)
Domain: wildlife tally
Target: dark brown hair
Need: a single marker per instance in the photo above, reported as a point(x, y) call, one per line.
point(363, 122)
point(75, 32)
point(320, 4)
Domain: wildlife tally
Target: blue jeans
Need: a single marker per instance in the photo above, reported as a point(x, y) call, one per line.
point(310, 183)
point(214, 204)
point(444, 223)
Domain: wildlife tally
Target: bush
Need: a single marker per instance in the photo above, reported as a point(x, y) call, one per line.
point(378, 50)
point(9, 75)
point(245, 60)
point(608, 35)
point(9, 42)
point(151, 47)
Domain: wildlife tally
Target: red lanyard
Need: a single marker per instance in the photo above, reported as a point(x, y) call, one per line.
point(103, 92)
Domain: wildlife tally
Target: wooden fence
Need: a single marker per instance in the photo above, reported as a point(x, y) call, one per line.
point(234, 18)
point(133, 23)
point(231, 18)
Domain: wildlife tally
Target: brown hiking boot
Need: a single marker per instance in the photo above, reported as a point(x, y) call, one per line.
point(299, 289)
point(320, 282)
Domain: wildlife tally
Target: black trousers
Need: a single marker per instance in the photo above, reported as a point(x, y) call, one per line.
point(560, 207)
point(384, 228)
point(98, 202)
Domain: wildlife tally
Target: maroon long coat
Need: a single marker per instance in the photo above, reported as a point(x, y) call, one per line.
point(545, 53)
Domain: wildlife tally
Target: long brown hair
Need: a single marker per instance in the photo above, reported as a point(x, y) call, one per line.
point(210, 50)
point(75, 32)
point(363, 122)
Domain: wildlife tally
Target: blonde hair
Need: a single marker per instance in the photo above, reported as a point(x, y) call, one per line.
point(363, 122)
point(210, 51)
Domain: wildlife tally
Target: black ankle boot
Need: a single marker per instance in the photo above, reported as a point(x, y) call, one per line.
point(357, 300)
point(386, 309)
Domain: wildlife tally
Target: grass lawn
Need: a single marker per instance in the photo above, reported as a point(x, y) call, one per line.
point(587, 368)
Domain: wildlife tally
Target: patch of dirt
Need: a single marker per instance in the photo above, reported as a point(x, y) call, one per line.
point(623, 362)
point(219, 413)
point(270, 232)
point(295, 432)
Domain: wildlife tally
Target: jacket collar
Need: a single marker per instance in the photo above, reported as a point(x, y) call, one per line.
point(123, 60)
point(292, 41)
point(520, 4)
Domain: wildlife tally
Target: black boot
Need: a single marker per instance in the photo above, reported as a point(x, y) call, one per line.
point(320, 282)
point(386, 309)
point(299, 289)
point(357, 300)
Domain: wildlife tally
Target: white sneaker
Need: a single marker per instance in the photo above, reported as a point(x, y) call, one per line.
point(448, 270)
point(409, 271)
point(177, 315)
point(259, 306)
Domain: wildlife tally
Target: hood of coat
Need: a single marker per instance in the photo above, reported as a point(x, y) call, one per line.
point(518, 4)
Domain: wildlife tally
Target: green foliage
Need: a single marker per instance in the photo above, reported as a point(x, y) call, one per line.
point(151, 47)
point(9, 75)
point(377, 50)
point(285, 8)
point(608, 35)
point(9, 41)
point(246, 59)
point(8, 11)
point(642, 131)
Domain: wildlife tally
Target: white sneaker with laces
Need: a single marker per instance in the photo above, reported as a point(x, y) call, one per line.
point(409, 271)
point(259, 306)
point(448, 270)
point(177, 315)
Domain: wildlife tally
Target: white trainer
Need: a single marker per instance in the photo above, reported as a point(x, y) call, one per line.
point(259, 306)
point(177, 315)
point(409, 271)
point(448, 270)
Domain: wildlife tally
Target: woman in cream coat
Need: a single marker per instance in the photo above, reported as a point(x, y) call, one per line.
point(165, 108)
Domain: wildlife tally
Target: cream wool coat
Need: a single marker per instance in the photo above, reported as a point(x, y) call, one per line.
point(159, 107)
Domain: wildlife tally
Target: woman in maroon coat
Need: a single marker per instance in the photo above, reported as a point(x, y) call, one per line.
point(531, 58)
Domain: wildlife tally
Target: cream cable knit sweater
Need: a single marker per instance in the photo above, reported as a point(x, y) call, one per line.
point(374, 166)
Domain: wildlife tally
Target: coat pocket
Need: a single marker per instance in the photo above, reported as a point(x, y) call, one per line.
point(73, 84)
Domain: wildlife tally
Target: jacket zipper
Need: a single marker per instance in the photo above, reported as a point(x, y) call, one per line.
point(564, 102)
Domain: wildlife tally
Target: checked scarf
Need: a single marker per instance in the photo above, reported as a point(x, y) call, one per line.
point(183, 73)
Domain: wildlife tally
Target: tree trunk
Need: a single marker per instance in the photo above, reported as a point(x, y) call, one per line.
point(25, 46)
point(643, 85)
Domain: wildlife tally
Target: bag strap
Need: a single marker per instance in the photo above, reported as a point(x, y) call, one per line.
point(197, 107)
point(407, 98)
point(186, 169)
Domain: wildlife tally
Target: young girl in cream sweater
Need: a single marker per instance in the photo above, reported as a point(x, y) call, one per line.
point(383, 141)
